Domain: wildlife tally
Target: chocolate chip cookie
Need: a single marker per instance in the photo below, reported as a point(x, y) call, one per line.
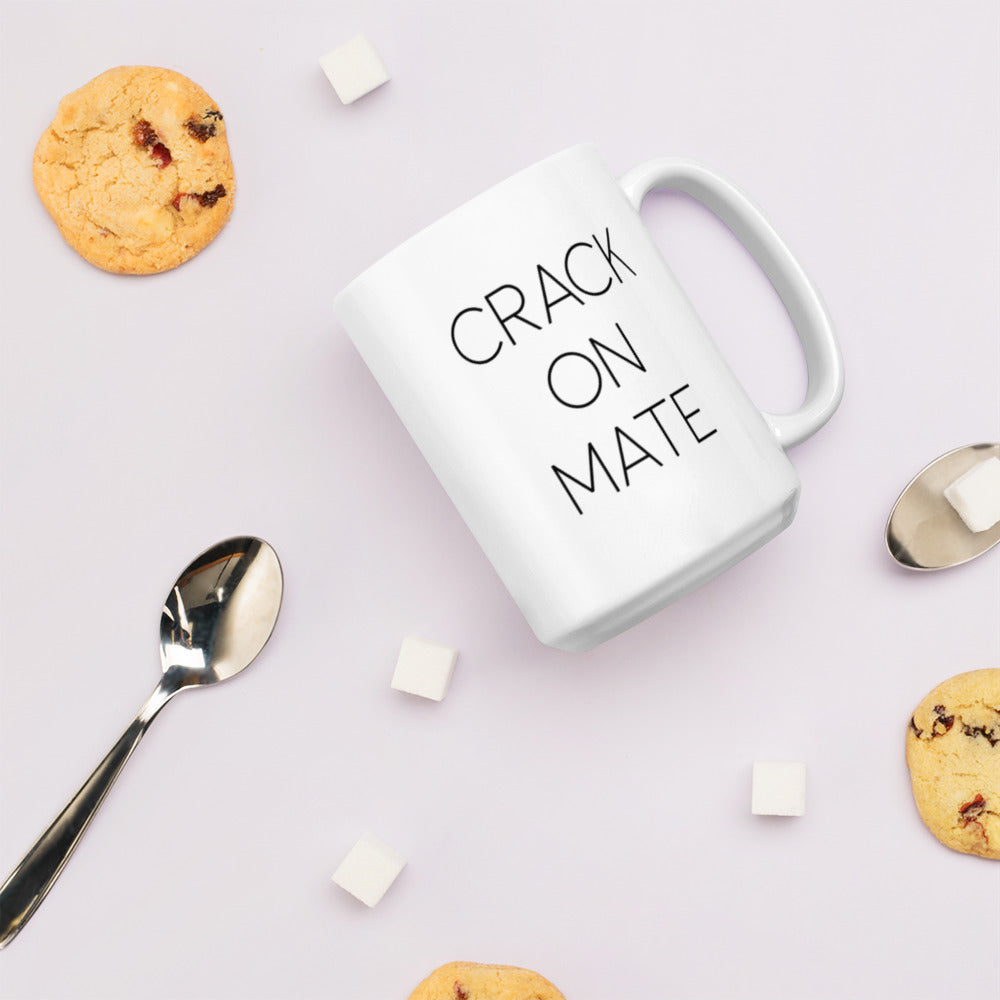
point(135, 170)
point(953, 752)
point(472, 981)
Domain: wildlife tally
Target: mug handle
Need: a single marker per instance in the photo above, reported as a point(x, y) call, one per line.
point(824, 365)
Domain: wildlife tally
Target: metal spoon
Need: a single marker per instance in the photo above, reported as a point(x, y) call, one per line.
point(924, 530)
point(215, 621)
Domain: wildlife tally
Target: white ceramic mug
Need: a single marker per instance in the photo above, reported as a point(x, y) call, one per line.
point(570, 401)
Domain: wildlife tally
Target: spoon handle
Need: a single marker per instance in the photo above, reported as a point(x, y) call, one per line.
point(31, 880)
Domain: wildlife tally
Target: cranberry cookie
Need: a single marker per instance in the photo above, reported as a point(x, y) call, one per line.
point(472, 981)
point(135, 170)
point(953, 752)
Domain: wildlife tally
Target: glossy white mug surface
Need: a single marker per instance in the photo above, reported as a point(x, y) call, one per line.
point(576, 410)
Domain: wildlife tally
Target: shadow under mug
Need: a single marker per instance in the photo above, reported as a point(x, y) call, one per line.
point(574, 407)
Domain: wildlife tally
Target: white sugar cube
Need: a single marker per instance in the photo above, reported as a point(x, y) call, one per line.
point(369, 869)
point(424, 668)
point(779, 788)
point(354, 69)
point(976, 495)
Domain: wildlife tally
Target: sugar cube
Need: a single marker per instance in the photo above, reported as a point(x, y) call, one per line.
point(976, 495)
point(779, 788)
point(354, 69)
point(369, 869)
point(424, 668)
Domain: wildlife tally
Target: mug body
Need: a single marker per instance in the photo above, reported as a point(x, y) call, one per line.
point(572, 404)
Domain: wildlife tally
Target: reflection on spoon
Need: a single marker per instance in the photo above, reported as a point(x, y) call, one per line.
point(924, 530)
point(215, 621)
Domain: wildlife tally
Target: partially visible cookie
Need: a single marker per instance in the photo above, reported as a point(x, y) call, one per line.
point(473, 981)
point(135, 170)
point(953, 752)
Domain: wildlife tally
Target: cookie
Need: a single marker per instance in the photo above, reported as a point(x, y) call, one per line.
point(953, 752)
point(472, 981)
point(135, 170)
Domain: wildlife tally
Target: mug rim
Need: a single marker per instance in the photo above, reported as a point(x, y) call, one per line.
point(400, 248)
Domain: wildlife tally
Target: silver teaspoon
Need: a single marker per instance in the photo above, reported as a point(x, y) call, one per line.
point(216, 619)
point(924, 530)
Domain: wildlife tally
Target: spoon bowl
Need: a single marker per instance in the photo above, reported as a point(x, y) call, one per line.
point(216, 619)
point(221, 611)
point(924, 531)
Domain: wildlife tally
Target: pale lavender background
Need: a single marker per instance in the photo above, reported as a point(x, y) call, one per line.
point(584, 815)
